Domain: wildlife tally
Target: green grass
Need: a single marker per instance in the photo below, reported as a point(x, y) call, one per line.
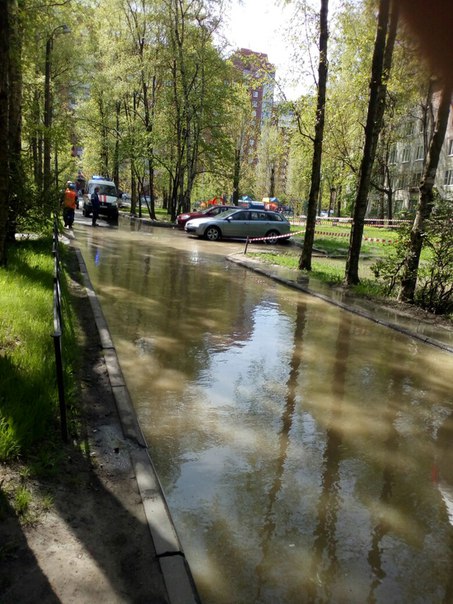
point(22, 500)
point(28, 392)
point(337, 244)
point(325, 269)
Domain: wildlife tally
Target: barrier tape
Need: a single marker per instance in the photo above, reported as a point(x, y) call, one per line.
point(373, 239)
point(377, 222)
point(287, 236)
point(328, 233)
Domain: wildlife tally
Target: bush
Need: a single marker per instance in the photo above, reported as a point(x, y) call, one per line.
point(435, 280)
point(434, 290)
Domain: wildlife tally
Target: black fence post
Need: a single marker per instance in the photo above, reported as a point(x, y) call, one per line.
point(58, 332)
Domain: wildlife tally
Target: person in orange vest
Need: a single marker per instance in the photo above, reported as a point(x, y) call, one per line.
point(69, 204)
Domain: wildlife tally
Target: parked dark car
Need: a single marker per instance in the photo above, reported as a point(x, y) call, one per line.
point(240, 223)
point(213, 210)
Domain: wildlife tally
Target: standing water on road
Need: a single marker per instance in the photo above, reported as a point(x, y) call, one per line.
point(305, 452)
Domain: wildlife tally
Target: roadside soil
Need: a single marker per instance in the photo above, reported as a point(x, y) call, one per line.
point(83, 538)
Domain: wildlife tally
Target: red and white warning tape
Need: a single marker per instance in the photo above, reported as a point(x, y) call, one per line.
point(328, 233)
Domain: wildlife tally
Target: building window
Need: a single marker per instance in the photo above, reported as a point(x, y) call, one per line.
point(408, 128)
point(420, 152)
point(416, 179)
point(406, 155)
point(255, 94)
point(450, 147)
point(448, 177)
point(392, 156)
point(405, 181)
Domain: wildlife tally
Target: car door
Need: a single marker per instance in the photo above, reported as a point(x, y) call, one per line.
point(237, 225)
point(256, 228)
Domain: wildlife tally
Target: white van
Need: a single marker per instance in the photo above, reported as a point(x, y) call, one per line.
point(108, 197)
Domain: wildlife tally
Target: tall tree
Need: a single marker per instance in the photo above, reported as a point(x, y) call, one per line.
point(380, 71)
point(426, 199)
point(305, 258)
point(5, 15)
point(16, 172)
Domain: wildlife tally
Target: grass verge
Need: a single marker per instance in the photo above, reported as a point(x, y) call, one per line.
point(29, 411)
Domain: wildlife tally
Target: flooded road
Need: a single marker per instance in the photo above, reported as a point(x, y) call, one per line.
point(305, 452)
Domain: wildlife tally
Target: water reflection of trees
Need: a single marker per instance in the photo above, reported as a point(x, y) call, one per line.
point(268, 527)
point(325, 542)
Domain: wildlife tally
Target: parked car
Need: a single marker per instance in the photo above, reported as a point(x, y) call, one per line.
point(213, 210)
point(240, 223)
point(124, 201)
point(108, 197)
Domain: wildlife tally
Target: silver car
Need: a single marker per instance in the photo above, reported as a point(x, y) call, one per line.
point(240, 224)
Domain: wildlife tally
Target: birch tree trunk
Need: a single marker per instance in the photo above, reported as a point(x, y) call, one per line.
point(305, 257)
point(380, 71)
point(425, 202)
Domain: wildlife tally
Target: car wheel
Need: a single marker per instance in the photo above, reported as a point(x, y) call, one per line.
point(213, 233)
point(273, 234)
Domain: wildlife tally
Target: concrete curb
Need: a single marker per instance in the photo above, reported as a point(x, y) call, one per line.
point(362, 313)
point(175, 570)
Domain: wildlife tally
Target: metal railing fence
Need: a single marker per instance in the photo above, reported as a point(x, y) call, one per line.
point(58, 329)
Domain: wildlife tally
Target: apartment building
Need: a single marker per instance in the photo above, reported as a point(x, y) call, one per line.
point(408, 156)
point(259, 76)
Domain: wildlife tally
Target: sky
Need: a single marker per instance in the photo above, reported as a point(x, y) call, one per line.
point(259, 25)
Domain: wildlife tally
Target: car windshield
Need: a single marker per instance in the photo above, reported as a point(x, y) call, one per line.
point(107, 190)
point(226, 213)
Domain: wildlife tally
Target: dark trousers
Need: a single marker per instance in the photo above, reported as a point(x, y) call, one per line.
point(95, 215)
point(68, 216)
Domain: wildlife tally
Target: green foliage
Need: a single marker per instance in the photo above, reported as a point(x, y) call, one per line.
point(388, 270)
point(28, 393)
point(22, 500)
point(435, 279)
point(434, 290)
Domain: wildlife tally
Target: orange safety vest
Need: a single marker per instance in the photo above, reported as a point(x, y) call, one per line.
point(69, 200)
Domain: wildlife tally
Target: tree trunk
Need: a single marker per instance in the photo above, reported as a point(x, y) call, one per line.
point(333, 195)
point(116, 155)
point(390, 204)
point(305, 258)
point(236, 175)
point(15, 121)
point(272, 186)
point(338, 200)
point(5, 13)
point(426, 200)
point(380, 71)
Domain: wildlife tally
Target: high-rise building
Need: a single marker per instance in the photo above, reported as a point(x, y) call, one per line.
point(259, 76)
